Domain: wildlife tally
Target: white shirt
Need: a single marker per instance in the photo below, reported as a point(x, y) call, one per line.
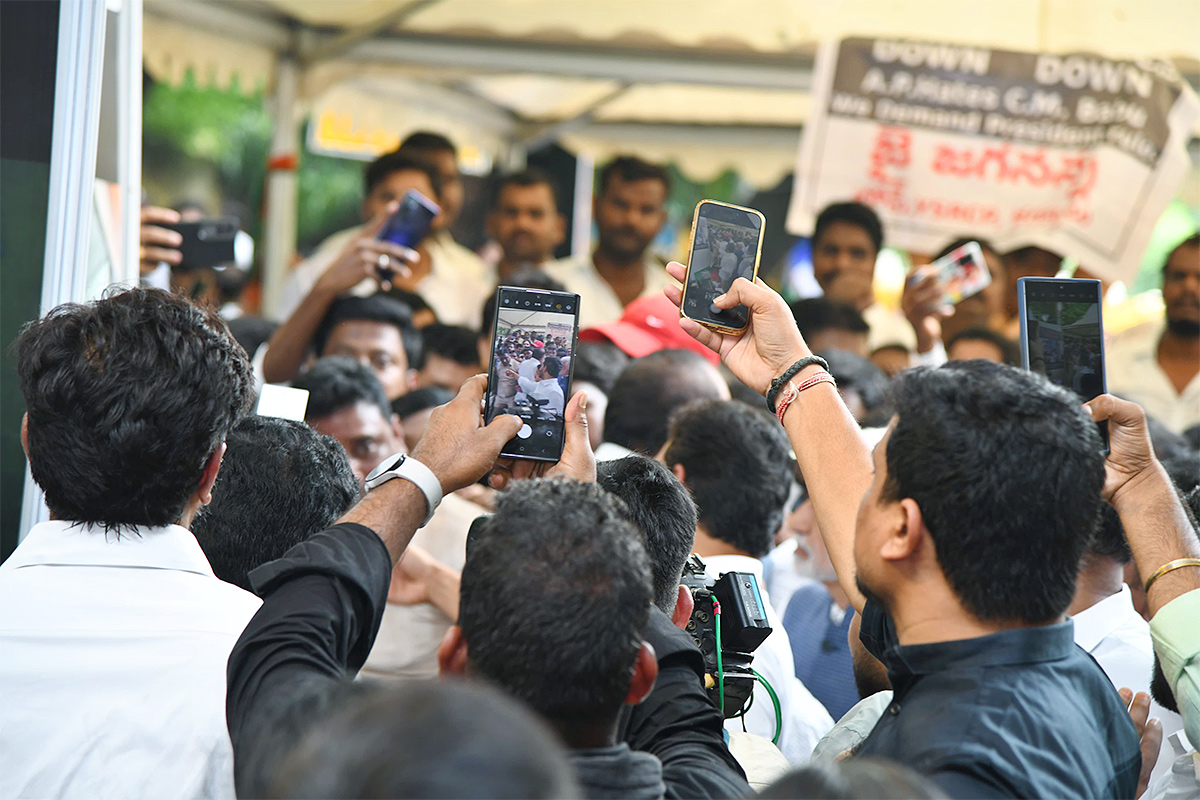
point(409, 636)
point(889, 326)
point(597, 301)
point(548, 389)
point(1119, 639)
point(112, 665)
point(528, 368)
point(805, 720)
point(1131, 362)
point(607, 451)
point(456, 287)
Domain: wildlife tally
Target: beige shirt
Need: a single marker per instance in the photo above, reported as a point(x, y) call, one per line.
point(409, 636)
point(597, 301)
point(455, 288)
point(889, 326)
point(1132, 372)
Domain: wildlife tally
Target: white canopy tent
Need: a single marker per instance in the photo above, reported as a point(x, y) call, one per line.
point(705, 84)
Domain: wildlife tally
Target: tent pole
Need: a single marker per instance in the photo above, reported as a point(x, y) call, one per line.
point(279, 223)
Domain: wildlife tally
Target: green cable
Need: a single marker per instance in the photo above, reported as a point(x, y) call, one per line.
point(775, 701)
point(720, 667)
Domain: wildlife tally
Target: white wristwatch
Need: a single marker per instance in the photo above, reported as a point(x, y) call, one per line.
point(404, 466)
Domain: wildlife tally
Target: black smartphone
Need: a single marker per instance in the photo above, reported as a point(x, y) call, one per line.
point(206, 242)
point(1062, 334)
point(726, 245)
point(412, 221)
point(530, 371)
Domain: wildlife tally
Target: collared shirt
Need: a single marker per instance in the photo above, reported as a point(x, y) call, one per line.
point(1021, 713)
point(455, 288)
point(1117, 636)
point(549, 389)
point(817, 628)
point(805, 720)
point(1182, 782)
point(1133, 372)
point(597, 301)
point(112, 662)
point(1176, 636)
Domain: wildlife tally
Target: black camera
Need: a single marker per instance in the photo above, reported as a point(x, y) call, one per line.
point(729, 621)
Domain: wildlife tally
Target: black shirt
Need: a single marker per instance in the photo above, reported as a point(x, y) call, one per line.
point(1022, 713)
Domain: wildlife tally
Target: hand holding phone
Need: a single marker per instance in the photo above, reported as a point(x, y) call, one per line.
point(205, 242)
point(726, 245)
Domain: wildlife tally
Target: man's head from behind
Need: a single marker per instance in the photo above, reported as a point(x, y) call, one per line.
point(630, 207)
point(280, 483)
point(128, 400)
point(346, 401)
point(524, 219)
point(987, 485)
point(378, 332)
point(1181, 288)
point(555, 599)
point(649, 389)
point(663, 511)
point(445, 739)
point(831, 325)
point(736, 461)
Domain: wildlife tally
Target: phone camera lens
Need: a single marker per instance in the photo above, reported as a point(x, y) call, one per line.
point(527, 304)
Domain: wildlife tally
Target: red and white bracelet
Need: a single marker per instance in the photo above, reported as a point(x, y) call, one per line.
point(793, 391)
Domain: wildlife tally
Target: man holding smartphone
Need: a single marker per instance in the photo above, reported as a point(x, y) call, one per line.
point(949, 580)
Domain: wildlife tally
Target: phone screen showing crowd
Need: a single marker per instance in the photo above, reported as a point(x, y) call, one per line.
point(530, 371)
point(725, 246)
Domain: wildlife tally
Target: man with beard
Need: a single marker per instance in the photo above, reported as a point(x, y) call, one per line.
point(525, 222)
point(629, 209)
point(1156, 365)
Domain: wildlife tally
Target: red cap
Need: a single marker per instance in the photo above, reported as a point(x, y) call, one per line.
point(649, 324)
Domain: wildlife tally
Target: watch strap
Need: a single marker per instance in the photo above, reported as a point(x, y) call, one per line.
point(416, 473)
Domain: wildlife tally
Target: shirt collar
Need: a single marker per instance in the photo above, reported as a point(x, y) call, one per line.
point(65, 543)
point(734, 563)
point(1017, 646)
point(1094, 624)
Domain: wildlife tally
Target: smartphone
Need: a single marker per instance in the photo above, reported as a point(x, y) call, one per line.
point(726, 245)
point(409, 226)
point(1062, 334)
point(962, 273)
point(529, 375)
point(206, 242)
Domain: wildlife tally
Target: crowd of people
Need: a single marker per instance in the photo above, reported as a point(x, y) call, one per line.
point(967, 597)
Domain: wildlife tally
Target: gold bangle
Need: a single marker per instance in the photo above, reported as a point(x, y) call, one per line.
point(1171, 566)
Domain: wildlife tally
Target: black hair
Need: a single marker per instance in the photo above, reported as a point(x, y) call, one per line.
point(553, 366)
point(555, 599)
point(452, 342)
point(1191, 241)
point(816, 314)
point(428, 142)
point(984, 245)
point(449, 738)
point(420, 399)
point(530, 176)
point(853, 779)
point(1109, 539)
point(738, 468)
point(396, 161)
point(375, 308)
point(660, 506)
point(1007, 471)
point(251, 332)
point(1008, 349)
point(856, 214)
point(632, 168)
point(853, 372)
point(128, 398)
point(525, 278)
point(337, 382)
point(1183, 469)
point(648, 390)
point(280, 483)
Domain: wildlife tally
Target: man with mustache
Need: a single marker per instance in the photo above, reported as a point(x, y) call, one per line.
point(1156, 365)
point(629, 209)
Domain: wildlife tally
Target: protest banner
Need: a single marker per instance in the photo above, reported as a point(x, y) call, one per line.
point(1076, 153)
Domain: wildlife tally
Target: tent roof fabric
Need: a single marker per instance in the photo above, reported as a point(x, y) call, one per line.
point(603, 75)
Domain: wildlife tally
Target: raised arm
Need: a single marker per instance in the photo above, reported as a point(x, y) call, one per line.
point(833, 458)
point(358, 261)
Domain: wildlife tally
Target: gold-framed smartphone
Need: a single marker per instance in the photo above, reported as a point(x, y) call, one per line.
point(726, 245)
